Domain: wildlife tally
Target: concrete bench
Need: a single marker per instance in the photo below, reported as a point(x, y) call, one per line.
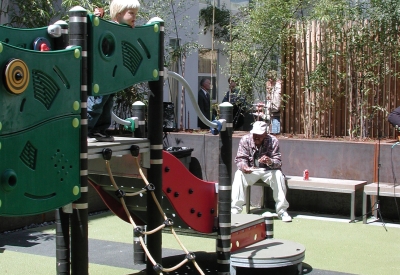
point(385, 190)
point(319, 184)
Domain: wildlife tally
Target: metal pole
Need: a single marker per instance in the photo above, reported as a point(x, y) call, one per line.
point(79, 217)
point(138, 110)
point(62, 218)
point(63, 41)
point(62, 242)
point(269, 226)
point(224, 191)
point(155, 136)
point(139, 255)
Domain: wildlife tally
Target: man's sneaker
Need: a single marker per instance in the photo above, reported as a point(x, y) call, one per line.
point(284, 216)
point(269, 215)
point(101, 136)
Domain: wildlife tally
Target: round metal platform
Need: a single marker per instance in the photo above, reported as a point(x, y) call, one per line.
point(269, 253)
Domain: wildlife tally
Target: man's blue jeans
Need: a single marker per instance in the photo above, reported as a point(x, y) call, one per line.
point(276, 124)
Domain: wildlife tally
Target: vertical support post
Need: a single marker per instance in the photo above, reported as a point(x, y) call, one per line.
point(62, 242)
point(155, 136)
point(138, 110)
point(139, 255)
point(62, 218)
point(269, 226)
point(224, 191)
point(79, 217)
point(62, 41)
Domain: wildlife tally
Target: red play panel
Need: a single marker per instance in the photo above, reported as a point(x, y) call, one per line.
point(194, 200)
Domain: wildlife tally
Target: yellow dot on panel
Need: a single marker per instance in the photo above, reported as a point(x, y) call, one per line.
point(75, 190)
point(96, 88)
point(0, 203)
point(96, 21)
point(156, 28)
point(75, 106)
point(1, 47)
point(77, 53)
point(155, 73)
point(1, 126)
point(75, 123)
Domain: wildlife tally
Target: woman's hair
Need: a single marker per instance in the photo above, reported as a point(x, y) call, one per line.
point(118, 6)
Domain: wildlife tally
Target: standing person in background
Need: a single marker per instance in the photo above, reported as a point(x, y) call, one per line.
point(100, 107)
point(273, 86)
point(259, 114)
point(394, 119)
point(203, 100)
point(233, 96)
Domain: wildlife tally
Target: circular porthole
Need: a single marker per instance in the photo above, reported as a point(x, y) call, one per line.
point(9, 179)
point(107, 45)
point(16, 76)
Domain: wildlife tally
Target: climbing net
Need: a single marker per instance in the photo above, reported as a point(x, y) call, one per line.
point(138, 230)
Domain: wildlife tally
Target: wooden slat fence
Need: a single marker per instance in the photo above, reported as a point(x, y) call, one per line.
point(332, 88)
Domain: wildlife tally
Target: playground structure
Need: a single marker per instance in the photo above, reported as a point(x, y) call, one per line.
point(46, 161)
point(48, 74)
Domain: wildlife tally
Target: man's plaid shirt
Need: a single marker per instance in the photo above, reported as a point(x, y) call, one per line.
point(247, 149)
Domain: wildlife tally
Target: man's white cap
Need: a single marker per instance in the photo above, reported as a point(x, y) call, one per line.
point(259, 128)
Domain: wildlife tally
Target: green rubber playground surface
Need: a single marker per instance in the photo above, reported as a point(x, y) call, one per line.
point(333, 246)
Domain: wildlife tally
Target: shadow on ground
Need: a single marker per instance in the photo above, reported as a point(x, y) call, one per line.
point(208, 263)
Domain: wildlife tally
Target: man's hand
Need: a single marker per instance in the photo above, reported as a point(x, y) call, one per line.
point(265, 160)
point(247, 170)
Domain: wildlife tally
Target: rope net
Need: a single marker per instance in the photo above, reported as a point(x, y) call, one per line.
point(140, 233)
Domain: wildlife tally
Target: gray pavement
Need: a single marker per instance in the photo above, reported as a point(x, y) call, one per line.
point(121, 255)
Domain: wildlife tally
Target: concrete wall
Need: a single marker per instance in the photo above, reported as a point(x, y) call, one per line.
point(329, 159)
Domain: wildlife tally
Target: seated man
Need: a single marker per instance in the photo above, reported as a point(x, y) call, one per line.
point(259, 150)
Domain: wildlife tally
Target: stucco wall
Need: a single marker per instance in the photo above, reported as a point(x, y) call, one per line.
point(329, 159)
